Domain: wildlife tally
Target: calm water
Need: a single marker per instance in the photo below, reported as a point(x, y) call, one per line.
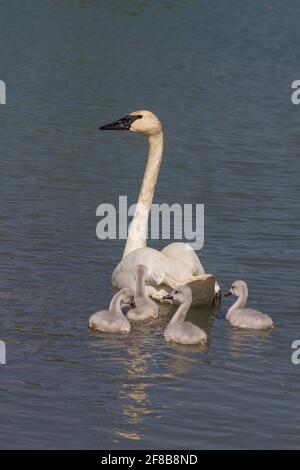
point(219, 76)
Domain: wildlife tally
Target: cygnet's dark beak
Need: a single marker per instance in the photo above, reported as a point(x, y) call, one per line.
point(168, 297)
point(122, 124)
point(133, 304)
point(218, 295)
point(217, 300)
point(227, 294)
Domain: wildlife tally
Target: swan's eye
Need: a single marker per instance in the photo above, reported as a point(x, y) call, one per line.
point(131, 118)
point(176, 292)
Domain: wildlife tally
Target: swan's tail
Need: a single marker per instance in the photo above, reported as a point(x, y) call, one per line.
point(203, 289)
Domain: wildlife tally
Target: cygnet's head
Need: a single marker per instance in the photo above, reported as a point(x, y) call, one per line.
point(141, 271)
point(138, 121)
point(126, 296)
point(237, 289)
point(180, 294)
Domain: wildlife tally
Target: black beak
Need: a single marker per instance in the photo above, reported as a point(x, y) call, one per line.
point(227, 294)
point(218, 295)
point(122, 124)
point(133, 304)
point(168, 297)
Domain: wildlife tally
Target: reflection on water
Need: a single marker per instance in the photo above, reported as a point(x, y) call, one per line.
point(239, 339)
point(134, 400)
point(140, 376)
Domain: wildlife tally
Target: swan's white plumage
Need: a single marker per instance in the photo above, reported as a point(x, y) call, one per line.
point(165, 273)
point(156, 263)
point(177, 263)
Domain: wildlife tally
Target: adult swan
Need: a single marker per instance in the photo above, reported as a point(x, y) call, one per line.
point(177, 263)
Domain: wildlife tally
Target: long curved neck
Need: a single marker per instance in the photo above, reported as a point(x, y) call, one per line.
point(240, 302)
point(181, 313)
point(138, 228)
point(140, 286)
point(115, 303)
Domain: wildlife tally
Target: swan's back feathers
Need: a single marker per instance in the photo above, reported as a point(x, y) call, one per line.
point(185, 333)
point(109, 322)
point(171, 267)
point(156, 263)
point(177, 261)
point(183, 259)
point(249, 318)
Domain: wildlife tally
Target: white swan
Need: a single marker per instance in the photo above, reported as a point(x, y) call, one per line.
point(144, 306)
point(243, 317)
point(177, 263)
point(113, 320)
point(179, 330)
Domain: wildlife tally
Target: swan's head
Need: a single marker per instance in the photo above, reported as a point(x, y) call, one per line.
point(138, 121)
point(237, 289)
point(180, 294)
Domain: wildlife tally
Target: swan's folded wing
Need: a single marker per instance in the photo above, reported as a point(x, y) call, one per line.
point(182, 257)
point(124, 273)
point(203, 286)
